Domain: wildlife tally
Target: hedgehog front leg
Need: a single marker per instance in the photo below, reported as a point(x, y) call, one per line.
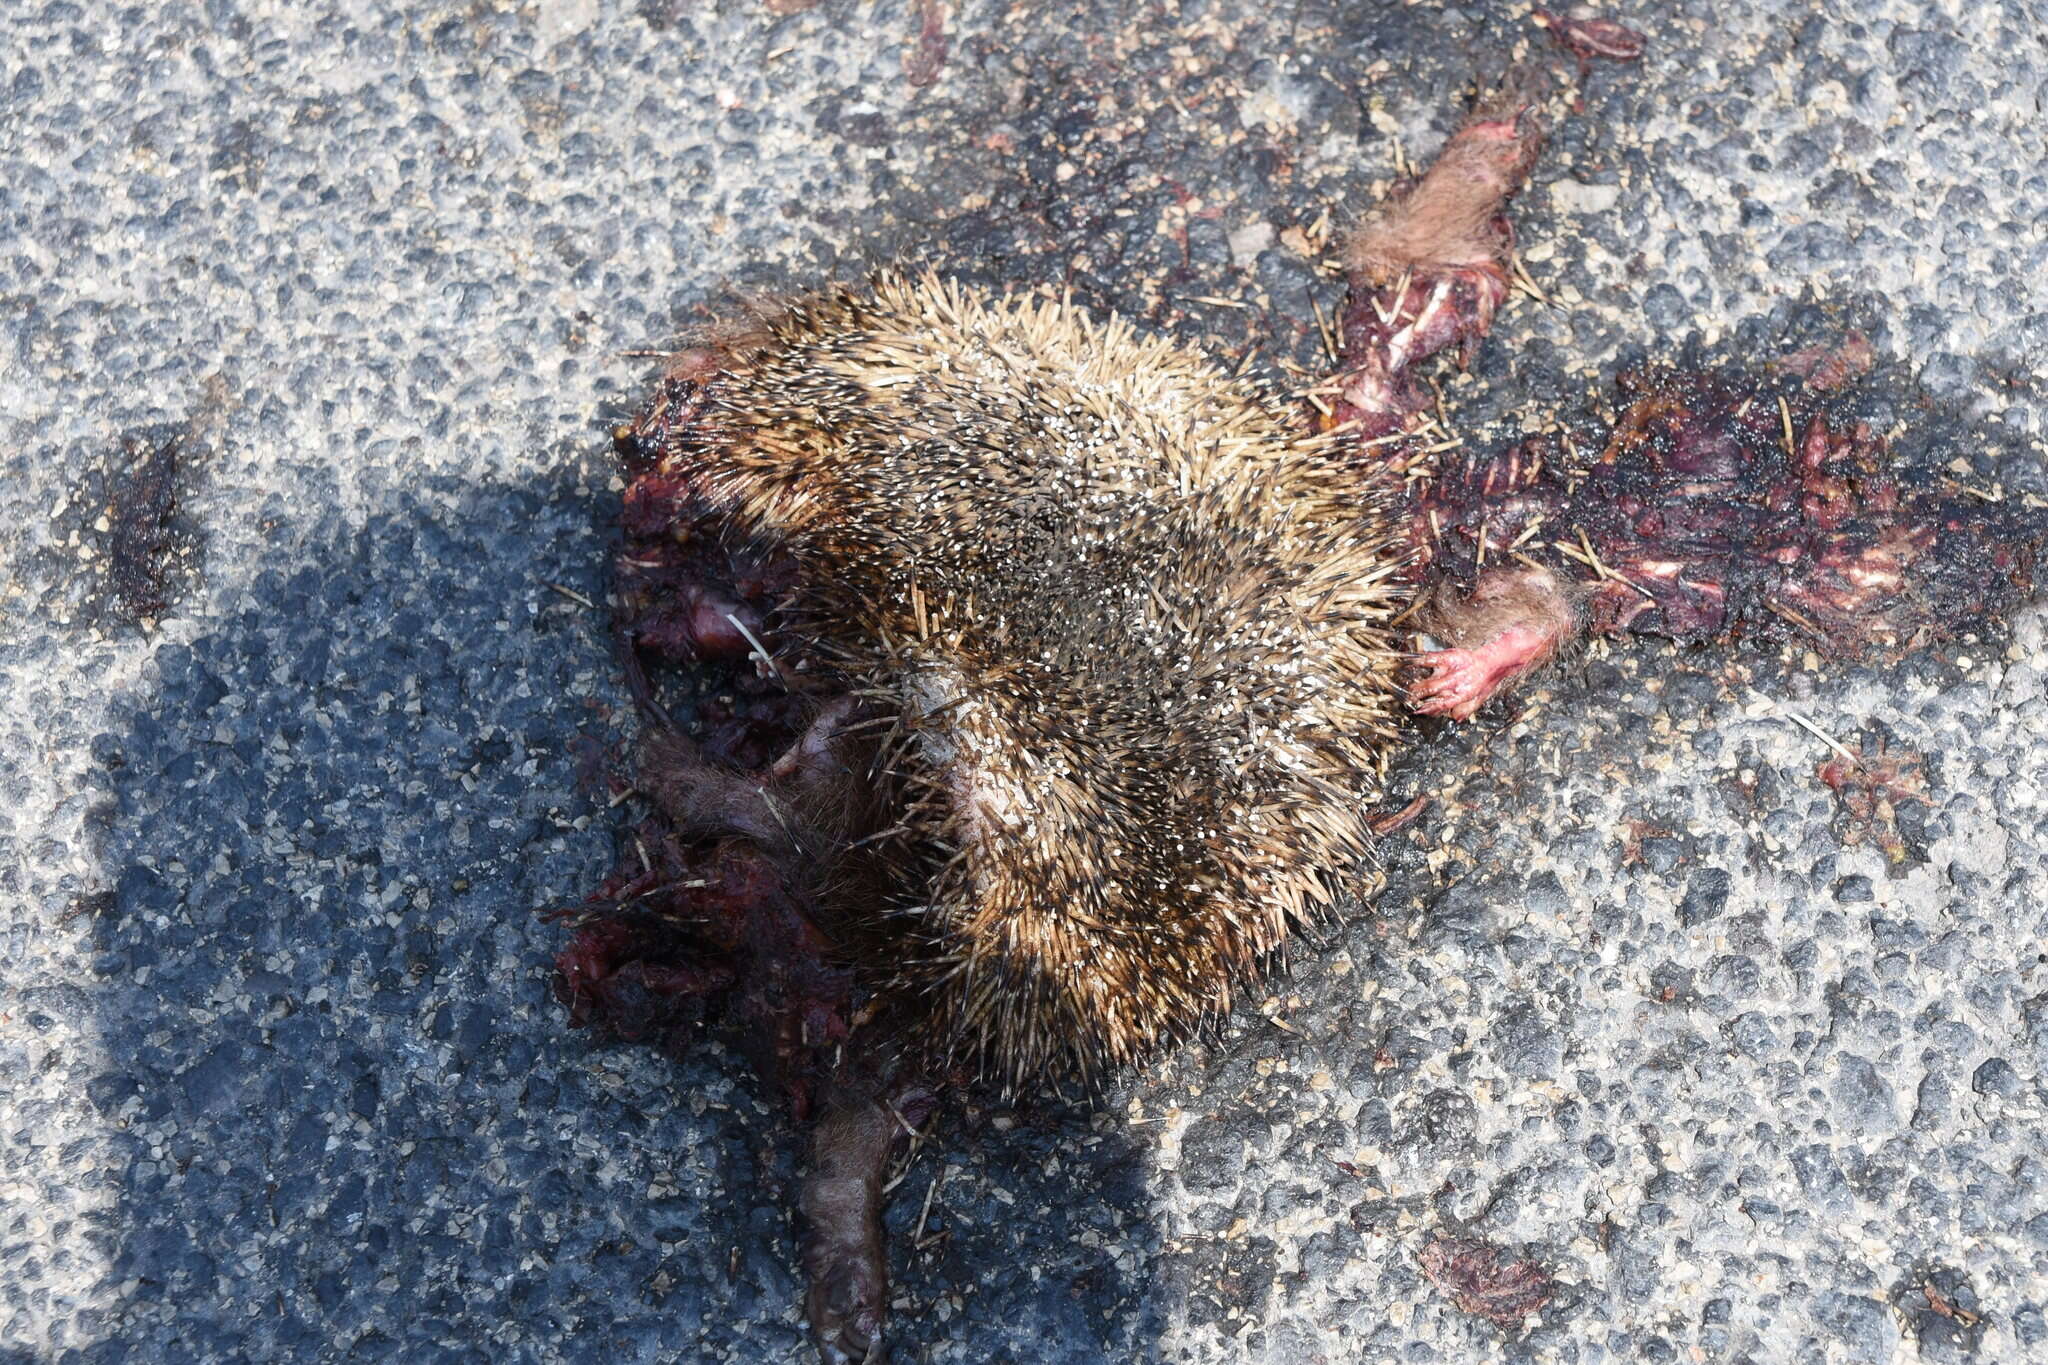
point(844, 1257)
point(1428, 271)
point(1511, 623)
point(739, 880)
point(1430, 267)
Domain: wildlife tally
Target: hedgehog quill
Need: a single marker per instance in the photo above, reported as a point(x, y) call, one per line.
point(1063, 667)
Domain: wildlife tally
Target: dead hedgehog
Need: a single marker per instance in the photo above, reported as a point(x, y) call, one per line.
point(1062, 667)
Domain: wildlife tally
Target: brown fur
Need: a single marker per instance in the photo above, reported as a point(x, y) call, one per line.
point(1450, 219)
point(844, 1259)
point(1531, 597)
point(805, 807)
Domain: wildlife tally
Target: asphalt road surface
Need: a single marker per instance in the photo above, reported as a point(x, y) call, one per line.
point(292, 716)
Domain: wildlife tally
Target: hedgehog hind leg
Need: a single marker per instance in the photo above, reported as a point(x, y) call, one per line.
point(1428, 271)
point(1429, 268)
point(750, 880)
point(845, 1254)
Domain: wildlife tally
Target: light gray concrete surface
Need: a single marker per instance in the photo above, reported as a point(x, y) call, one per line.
point(279, 1075)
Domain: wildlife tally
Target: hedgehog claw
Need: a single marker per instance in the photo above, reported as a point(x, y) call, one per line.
point(846, 1316)
point(1457, 685)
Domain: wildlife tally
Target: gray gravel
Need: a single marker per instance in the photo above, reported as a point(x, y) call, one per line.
point(279, 1074)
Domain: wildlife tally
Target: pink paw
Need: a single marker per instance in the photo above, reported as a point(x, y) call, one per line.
point(1458, 682)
